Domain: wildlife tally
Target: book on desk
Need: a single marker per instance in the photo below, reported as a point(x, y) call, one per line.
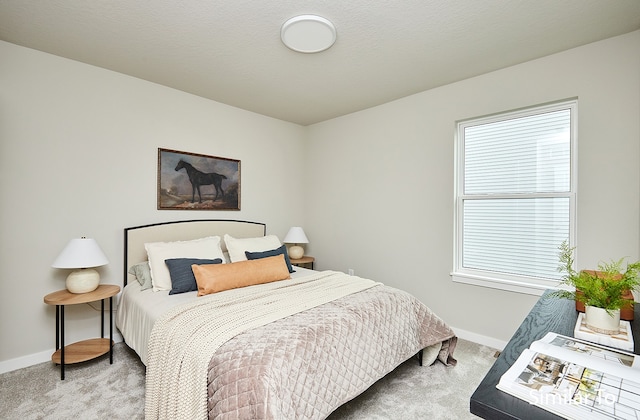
point(576, 379)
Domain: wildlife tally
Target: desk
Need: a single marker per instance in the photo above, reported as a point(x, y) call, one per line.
point(556, 315)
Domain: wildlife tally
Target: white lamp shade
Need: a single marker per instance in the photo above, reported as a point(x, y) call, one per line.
point(296, 236)
point(81, 253)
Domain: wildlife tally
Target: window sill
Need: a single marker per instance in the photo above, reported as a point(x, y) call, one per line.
point(522, 286)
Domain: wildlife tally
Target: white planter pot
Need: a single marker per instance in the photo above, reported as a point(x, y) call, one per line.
point(600, 321)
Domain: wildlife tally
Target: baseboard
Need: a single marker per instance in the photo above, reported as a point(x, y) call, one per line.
point(36, 358)
point(480, 339)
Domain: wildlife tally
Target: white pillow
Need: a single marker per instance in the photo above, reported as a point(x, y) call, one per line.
point(159, 251)
point(237, 247)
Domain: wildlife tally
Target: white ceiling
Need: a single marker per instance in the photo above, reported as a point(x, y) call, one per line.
point(230, 50)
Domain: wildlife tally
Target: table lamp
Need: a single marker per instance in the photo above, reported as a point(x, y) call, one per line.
point(296, 236)
point(81, 254)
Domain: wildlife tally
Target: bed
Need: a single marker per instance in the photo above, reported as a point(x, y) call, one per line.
point(297, 347)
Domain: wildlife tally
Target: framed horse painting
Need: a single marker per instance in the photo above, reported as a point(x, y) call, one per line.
point(190, 181)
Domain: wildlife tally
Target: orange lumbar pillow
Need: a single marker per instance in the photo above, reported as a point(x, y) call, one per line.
point(213, 278)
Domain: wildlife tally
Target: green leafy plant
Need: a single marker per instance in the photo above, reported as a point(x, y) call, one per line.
point(603, 288)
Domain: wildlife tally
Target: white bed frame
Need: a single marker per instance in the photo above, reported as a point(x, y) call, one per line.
point(183, 230)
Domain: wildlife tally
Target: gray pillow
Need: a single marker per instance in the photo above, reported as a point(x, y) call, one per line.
point(142, 274)
point(182, 278)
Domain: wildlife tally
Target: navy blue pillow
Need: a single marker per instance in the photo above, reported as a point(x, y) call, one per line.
point(271, 253)
point(182, 278)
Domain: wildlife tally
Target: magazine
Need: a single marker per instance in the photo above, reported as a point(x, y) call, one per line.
point(576, 379)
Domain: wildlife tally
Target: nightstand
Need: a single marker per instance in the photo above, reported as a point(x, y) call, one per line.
point(86, 349)
point(305, 262)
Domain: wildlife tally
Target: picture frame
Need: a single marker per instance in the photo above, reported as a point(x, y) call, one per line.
point(193, 181)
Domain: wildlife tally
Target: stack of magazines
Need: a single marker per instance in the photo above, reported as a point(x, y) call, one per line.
point(623, 339)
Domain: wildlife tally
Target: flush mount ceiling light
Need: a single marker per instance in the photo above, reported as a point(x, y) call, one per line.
point(308, 34)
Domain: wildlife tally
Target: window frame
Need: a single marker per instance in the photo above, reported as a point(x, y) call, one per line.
point(510, 282)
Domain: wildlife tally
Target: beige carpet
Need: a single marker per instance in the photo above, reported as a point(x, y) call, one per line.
point(97, 390)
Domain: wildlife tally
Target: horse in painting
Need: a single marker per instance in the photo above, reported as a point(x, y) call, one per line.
point(198, 178)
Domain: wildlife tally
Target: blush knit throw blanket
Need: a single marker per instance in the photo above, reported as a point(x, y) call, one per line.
point(185, 338)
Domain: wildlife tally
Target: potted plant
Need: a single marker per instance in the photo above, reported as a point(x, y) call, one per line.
point(603, 292)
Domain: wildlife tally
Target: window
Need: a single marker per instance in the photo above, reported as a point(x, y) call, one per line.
point(515, 197)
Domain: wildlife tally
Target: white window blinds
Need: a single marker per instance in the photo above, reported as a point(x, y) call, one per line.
point(515, 195)
point(522, 155)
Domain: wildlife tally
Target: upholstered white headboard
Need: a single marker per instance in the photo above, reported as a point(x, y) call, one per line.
point(135, 237)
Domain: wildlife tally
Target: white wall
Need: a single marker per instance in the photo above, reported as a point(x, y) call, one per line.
point(381, 181)
point(78, 156)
